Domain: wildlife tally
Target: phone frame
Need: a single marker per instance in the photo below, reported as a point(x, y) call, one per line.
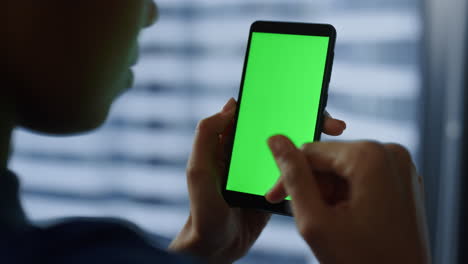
point(245, 200)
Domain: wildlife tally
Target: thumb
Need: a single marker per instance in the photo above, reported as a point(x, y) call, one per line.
point(206, 141)
point(298, 180)
point(202, 164)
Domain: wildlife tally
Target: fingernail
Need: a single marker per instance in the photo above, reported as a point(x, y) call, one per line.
point(280, 144)
point(273, 200)
point(229, 106)
point(277, 201)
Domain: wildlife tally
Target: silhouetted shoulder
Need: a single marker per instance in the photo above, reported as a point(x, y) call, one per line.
point(86, 240)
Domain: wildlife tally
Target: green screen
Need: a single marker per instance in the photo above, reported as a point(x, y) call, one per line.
point(281, 95)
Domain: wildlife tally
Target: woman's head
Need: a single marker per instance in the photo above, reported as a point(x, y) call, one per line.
point(66, 61)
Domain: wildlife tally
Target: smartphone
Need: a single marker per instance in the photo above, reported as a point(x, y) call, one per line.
point(284, 90)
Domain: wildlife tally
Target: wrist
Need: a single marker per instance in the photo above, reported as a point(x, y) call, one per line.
point(191, 243)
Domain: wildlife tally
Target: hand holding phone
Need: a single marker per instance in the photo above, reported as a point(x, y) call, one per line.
point(214, 231)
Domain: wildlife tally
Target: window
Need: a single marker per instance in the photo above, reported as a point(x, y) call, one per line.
point(191, 63)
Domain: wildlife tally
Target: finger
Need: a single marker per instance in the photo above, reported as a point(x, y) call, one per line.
point(226, 139)
point(405, 164)
point(345, 159)
point(298, 179)
point(321, 155)
point(202, 164)
point(333, 189)
point(207, 136)
point(332, 126)
point(402, 158)
point(358, 165)
point(277, 193)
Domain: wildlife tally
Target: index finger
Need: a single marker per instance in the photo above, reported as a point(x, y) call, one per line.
point(202, 166)
point(298, 180)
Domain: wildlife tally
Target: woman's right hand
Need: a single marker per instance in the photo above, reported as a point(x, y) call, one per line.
point(359, 202)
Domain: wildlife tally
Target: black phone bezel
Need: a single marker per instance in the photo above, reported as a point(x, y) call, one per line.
point(245, 200)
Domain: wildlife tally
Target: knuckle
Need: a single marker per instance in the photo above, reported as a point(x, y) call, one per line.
point(306, 146)
point(204, 124)
point(194, 172)
point(370, 146)
point(370, 150)
point(309, 229)
point(400, 151)
point(403, 161)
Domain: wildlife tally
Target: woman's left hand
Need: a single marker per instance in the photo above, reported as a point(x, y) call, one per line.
point(214, 231)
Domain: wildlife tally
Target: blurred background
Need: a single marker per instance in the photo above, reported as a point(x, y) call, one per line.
point(387, 70)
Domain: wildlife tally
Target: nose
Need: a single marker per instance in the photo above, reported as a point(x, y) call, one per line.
point(153, 14)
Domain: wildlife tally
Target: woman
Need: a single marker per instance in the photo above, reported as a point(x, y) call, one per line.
point(65, 63)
